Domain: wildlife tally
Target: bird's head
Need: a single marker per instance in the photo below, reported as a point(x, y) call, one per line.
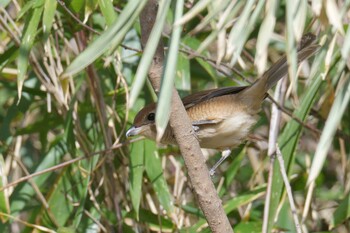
point(144, 123)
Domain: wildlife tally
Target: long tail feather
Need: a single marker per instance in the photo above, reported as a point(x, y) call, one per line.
point(254, 94)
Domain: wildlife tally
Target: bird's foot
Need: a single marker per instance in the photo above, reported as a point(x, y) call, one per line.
point(224, 155)
point(195, 128)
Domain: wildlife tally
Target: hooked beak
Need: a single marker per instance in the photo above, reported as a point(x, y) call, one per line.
point(133, 131)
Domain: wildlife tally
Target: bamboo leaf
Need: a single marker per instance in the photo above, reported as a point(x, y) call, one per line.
point(82, 177)
point(183, 75)
point(345, 50)
point(252, 227)
point(48, 17)
point(334, 15)
point(233, 204)
point(154, 172)
point(264, 37)
point(4, 195)
point(107, 10)
point(137, 166)
point(240, 33)
point(196, 9)
point(152, 43)
point(233, 9)
point(342, 213)
point(106, 39)
point(26, 46)
point(290, 136)
point(214, 13)
point(25, 193)
point(338, 108)
point(317, 6)
point(291, 51)
point(166, 91)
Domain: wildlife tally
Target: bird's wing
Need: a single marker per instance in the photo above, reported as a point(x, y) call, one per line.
point(206, 122)
point(196, 98)
point(202, 123)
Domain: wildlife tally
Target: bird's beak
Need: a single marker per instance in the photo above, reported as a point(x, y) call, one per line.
point(133, 131)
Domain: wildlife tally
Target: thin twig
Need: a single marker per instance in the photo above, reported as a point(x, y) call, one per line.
point(288, 190)
point(37, 191)
point(88, 27)
point(102, 228)
point(76, 18)
point(273, 134)
point(308, 201)
point(268, 194)
point(64, 164)
point(219, 67)
point(34, 226)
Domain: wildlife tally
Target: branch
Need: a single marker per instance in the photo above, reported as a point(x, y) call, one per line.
point(204, 189)
point(288, 190)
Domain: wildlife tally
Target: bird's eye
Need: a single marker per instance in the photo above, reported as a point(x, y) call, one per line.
point(151, 116)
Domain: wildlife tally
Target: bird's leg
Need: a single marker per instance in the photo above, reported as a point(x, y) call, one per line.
point(224, 155)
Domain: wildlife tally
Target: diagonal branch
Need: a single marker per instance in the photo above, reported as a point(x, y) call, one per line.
point(204, 189)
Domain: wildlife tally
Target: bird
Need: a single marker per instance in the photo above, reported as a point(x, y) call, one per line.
point(222, 118)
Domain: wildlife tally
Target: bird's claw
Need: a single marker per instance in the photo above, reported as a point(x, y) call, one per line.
point(212, 172)
point(195, 128)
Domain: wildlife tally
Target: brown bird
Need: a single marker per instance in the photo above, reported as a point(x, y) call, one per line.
point(222, 118)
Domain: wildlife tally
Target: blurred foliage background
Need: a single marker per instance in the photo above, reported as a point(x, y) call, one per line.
point(66, 71)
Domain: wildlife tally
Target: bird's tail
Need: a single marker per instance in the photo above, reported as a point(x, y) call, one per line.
point(257, 91)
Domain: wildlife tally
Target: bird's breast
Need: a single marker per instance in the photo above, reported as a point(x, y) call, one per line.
point(228, 133)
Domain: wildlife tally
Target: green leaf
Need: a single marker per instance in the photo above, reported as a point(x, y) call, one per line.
point(243, 199)
point(149, 51)
point(183, 75)
point(107, 10)
point(341, 103)
point(27, 7)
point(69, 188)
point(48, 17)
point(66, 230)
point(83, 177)
point(234, 166)
point(290, 137)
point(265, 34)
point(95, 213)
point(153, 167)
point(4, 195)
point(4, 3)
point(251, 227)
point(26, 45)
point(153, 222)
point(215, 10)
point(9, 55)
point(25, 193)
point(342, 213)
point(235, 8)
point(194, 43)
point(195, 10)
point(12, 112)
point(345, 50)
point(108, 39)
point(137, 166)
point(291, 9)
point(233, 204)
point(166, 91)
point(76, 5)
point(244, 26)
